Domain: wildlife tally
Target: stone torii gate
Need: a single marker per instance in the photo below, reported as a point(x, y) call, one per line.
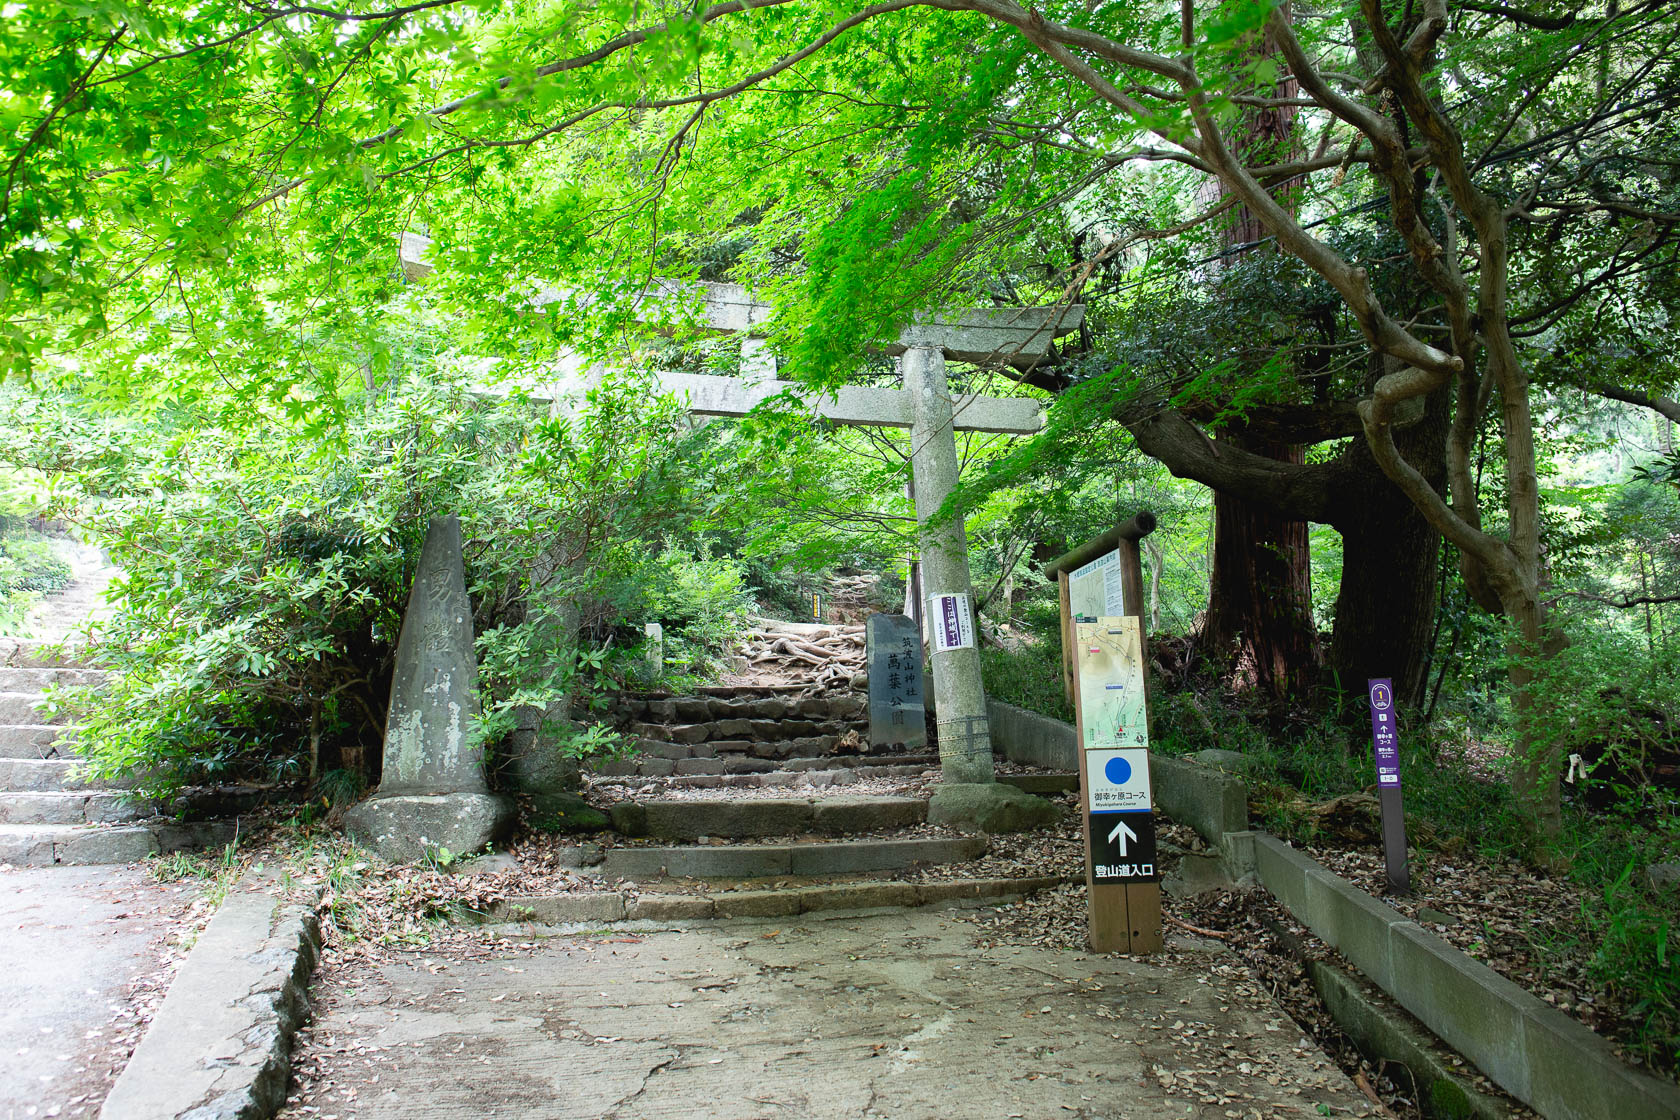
point(1018, 337)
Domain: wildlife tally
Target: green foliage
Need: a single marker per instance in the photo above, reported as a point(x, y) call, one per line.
point(1629, 925)
point(29, 568)
point(1610, 702)
point(264, 576)
point(1029, 677)
point(29, 565)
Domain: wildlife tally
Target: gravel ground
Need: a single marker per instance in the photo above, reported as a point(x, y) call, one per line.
point(1513, 919)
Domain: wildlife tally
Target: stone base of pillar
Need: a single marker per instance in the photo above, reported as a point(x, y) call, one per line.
point(406, 828)
point(989, 807)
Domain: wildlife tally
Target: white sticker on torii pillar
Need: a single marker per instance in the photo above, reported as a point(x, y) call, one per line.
point(951, 621)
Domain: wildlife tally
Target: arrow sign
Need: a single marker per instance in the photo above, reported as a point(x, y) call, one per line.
point(1123, 834)
point(1123, 848)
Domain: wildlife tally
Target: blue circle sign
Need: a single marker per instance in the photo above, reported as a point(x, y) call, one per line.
point(1118, 771)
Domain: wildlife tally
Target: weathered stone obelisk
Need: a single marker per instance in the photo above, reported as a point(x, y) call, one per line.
point(432, 793)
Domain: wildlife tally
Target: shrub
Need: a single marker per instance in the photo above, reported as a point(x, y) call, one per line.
point(265, 573)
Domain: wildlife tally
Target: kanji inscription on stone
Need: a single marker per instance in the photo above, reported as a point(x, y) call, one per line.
point(897, 701)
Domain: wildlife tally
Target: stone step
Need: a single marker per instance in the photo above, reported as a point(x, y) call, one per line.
point(22, 707)
point(45, 845)
point(755, 861)
point(737, 750)
point(42, 775)
point(866, 894)
point(702, 709)
point(741, 730)
point(734, 765)
point(837, 770)
point(27, 678)
point(90, 807)
point(752, 817)
point(30, 740)
point(1042, 783)
point(725, 691)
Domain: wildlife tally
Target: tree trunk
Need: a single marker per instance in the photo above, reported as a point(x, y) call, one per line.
point(1260, 598)
point(1260, 594)
point(1389, 593)
point(1385, 608)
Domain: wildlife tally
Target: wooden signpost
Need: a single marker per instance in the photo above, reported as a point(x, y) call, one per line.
point(1105, 667)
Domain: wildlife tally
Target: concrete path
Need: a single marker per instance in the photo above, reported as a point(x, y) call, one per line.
point(72, 939)
point(888, 1015)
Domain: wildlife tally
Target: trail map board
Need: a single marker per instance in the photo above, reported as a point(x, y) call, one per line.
point(1111, 700)
point(1112, 708)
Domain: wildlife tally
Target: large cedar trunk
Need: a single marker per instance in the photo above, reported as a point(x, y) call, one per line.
point(1260, 598)
point(1391, 563)
point(1260, 593)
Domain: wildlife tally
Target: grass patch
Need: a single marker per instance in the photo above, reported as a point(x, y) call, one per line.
point(1029, 677)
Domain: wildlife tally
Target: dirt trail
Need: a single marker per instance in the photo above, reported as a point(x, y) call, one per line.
point(73, 609)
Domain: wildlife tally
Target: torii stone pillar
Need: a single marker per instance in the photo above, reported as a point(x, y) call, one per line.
point(965, 742)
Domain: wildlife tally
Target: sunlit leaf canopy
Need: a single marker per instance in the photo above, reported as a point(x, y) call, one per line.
point(193, 189)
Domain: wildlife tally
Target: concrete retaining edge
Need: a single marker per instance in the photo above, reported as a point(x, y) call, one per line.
point(612, 906)
point(1386, 1034)
point(1539, 1055)
point(220, 1047)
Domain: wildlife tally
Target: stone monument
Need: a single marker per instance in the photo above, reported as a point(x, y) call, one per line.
point(897, 700)
point(653, 652)
point(432, 792)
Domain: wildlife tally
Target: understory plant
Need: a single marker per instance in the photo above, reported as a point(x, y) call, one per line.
point(265, 572)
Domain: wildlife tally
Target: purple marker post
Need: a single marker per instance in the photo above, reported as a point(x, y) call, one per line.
point(1385, 746)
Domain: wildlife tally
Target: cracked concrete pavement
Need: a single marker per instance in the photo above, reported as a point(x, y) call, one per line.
point(889, 1015)
point(74, 940)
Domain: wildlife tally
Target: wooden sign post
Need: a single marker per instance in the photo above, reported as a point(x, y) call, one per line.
point(1105, 665)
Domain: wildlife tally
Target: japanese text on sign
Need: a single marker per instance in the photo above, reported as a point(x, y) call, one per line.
point(1122, 848)
point(1385, 736)
point(1117, 781)
point(951, 622)
point(1096, 590)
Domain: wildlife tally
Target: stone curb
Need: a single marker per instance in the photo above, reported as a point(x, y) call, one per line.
point(1536, 1053)
point(1380, 1031)
point(607, 907)
point(764, 816)
point(220, 1047)
point(751, 861)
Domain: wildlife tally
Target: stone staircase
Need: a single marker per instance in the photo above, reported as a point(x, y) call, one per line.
point(772, 733)
point(49, 815)
point(762, 800)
